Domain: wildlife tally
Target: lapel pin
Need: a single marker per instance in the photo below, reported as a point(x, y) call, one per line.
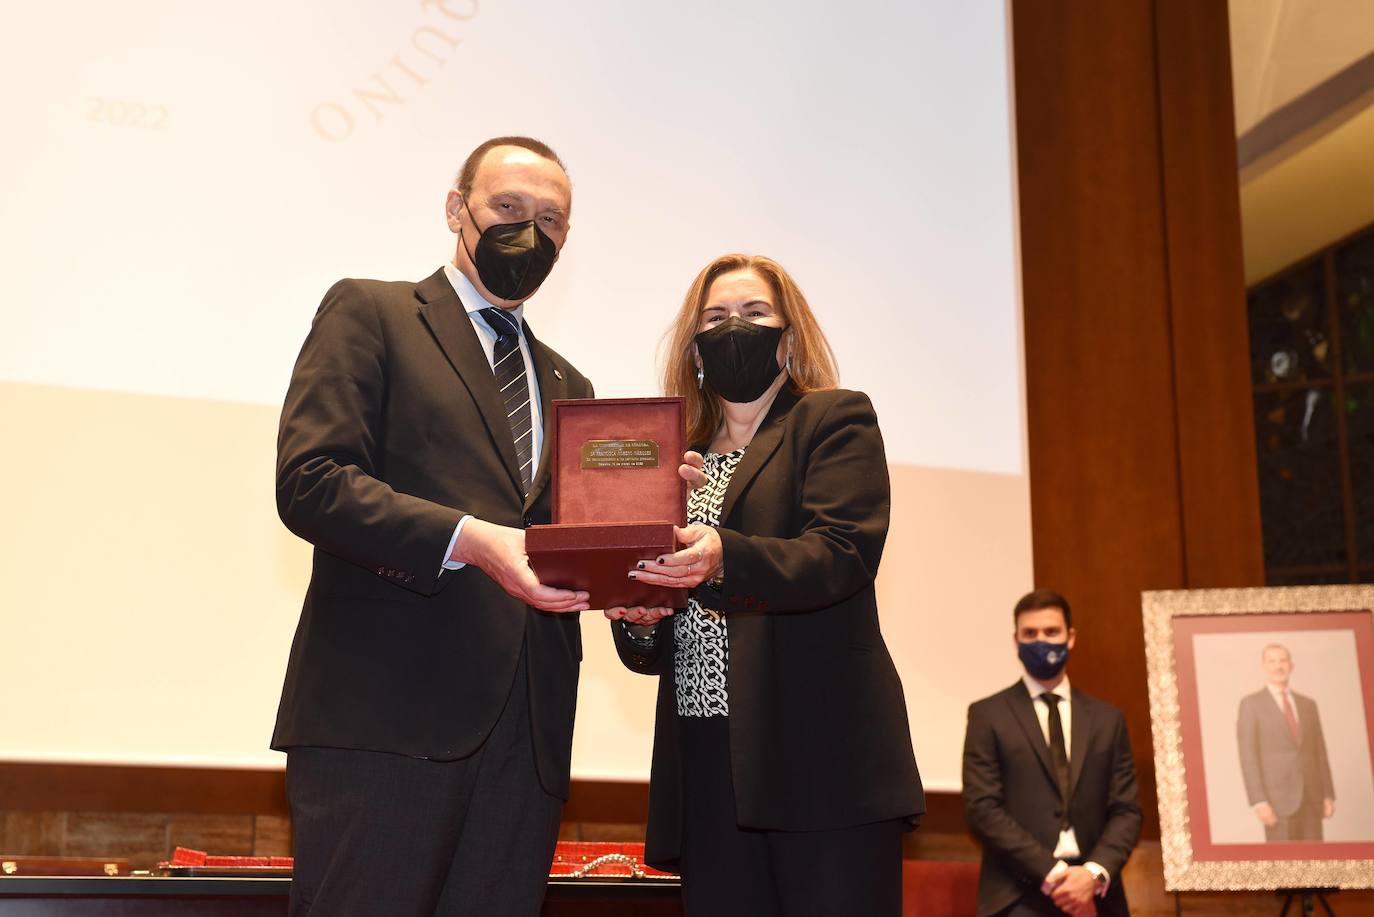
point(557, 374)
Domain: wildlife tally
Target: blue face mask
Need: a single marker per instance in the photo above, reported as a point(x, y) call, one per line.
point(1043, 660)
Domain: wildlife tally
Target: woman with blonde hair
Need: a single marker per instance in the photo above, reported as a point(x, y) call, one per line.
point(783, 774)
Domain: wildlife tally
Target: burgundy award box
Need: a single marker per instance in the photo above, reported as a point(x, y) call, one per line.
point(616, 496)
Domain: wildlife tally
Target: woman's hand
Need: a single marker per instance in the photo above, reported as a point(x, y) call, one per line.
point(697, 562)
point(690, 470)
point(638, 615)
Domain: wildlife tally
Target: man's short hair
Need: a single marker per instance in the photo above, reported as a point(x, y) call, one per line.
point(1275, 646)
point(1041, 599)
point(474, 161)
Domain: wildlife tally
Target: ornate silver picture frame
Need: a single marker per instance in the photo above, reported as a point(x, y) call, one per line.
point(1262, 705)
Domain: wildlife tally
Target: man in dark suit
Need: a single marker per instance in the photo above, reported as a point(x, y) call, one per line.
point(427, 711)
point(1283, 755)
point(1049, 785)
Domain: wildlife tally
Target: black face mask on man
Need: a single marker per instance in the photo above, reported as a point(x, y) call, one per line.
point(739, 358)
point(512, 259)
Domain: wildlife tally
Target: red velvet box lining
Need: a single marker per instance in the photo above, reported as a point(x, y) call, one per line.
point(615, 495)
point(606, 519)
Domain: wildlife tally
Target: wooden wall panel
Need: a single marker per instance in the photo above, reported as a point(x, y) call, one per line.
point(99, 788)
point(1216, 441)
point(1105, 511)
point(1140, 438)
point(46, 788)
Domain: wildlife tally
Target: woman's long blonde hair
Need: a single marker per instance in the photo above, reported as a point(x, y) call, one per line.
point(813, 362)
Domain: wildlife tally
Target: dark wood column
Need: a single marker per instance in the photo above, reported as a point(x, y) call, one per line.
point(1141, 444)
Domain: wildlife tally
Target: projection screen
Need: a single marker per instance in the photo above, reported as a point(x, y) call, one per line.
point(183, 182)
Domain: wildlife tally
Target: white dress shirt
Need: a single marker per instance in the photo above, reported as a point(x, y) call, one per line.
point(1042, 709)
point(1277, 694)
point(474, 303)
point(1067, 848)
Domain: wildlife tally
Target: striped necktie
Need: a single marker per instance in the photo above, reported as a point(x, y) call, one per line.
point(508, 363)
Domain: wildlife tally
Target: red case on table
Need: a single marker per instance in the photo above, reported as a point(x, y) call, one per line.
point(609, 511)
point(602, 860)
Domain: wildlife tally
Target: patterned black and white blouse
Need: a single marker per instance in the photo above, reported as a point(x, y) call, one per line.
point(703, 649)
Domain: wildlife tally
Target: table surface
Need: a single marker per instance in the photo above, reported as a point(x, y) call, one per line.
point(144, 886)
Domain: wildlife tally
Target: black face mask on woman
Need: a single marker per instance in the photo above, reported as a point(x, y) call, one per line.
point(739, 358)
point(512, 259)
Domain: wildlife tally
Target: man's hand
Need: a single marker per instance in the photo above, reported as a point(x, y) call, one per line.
point(500, 553)
point(697, 562)
point(1328, 807)
point(638, 615)
point(1086, 910)
point(1076, 892)
point(1265, 813)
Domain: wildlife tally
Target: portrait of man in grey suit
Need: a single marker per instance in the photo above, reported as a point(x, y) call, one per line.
point(1283, 755)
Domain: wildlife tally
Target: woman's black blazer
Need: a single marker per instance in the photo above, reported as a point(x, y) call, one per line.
point(818, 727)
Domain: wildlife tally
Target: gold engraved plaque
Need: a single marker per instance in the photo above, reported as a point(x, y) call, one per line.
point(620, 453)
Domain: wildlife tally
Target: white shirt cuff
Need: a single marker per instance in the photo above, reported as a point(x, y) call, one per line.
point(1104, 878)
point(457, 530)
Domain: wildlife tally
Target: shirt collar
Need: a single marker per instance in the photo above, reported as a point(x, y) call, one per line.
point(1277, 692)
point(472, 300)
point(1036, 688)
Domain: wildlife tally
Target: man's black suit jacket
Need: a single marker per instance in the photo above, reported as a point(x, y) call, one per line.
point(391, 432)
point(1012, 800)
point(818, 727)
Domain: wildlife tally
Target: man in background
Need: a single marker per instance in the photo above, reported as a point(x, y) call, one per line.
point(427, 713)
point(1049, 784)
point(1283, 755)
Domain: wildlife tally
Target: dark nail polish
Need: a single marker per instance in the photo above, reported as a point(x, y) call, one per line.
point(633, 576)
point(661, 560)
point(640, 565)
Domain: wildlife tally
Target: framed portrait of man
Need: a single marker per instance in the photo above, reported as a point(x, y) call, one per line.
point(1262, 705)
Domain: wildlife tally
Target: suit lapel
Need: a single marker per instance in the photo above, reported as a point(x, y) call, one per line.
point(1023, 711)
point(1306, 708)
point(1277, 722)
point(551, 385)
point(448, 321)
point(1079, 731)
point(765, 442)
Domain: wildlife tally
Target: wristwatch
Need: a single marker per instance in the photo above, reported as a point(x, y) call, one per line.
point(644, 642)
point(1100, 879)
point(718, 581)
